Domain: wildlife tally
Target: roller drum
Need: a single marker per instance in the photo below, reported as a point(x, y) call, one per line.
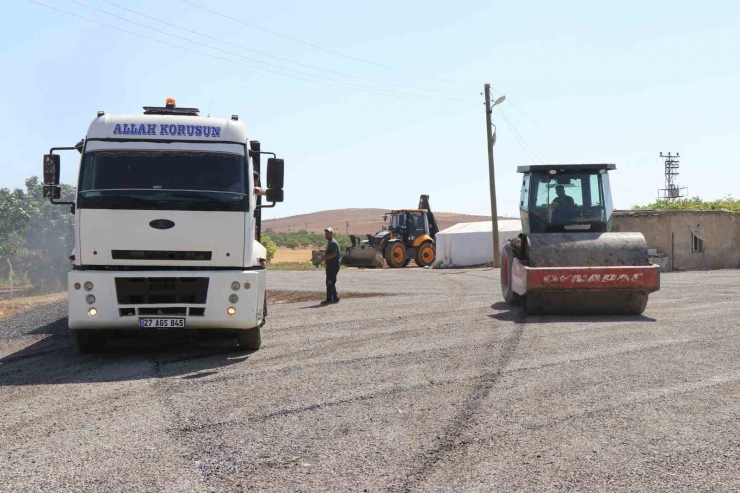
point(586, 249)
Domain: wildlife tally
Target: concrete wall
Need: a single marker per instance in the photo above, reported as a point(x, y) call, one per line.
point(670, 233)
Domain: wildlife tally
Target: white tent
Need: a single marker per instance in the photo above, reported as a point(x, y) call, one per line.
point(466, 244)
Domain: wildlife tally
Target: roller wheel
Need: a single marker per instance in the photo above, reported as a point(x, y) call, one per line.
point(395, 255)
point(250, 339)
point(507, 260)
point(425, 254)
point(638, 303)
point(531, 305)
point(88, 341)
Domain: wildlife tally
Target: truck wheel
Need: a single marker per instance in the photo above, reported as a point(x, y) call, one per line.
point(507, 260)
point(250, 339)
point(395, 255)
point(425, 255)
point(88, 341)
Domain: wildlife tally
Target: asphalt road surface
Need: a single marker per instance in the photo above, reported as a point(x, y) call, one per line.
point(435, 386)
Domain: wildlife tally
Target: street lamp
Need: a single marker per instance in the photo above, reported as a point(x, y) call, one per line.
point(491, 174)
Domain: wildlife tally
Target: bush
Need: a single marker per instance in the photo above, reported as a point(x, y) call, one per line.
point(270, 246)
point(693, 204)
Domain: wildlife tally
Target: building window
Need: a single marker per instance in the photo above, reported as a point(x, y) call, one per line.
point(697, 244)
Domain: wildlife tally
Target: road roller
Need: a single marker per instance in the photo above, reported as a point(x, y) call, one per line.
point(567, 260)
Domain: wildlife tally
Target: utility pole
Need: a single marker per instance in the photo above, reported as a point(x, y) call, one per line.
point(491, 175)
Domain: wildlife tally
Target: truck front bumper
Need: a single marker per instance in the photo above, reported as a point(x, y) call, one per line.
point(110, 309)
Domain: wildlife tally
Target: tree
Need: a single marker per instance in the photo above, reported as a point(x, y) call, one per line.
point(49, 237)
point(16, 212)
point(693, 204)
point(269, 245)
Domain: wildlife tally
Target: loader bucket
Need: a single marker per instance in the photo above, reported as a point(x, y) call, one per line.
point(363, 256)
point(584, 273)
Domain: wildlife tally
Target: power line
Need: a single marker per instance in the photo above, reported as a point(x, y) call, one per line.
point(254, 59)
point(327, 50)
point(503, 113)
point(520, 140)
point(359, 88)
point(260, 52)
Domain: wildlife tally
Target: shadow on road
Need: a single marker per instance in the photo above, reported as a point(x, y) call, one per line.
point(54, 360)
point(508, 313)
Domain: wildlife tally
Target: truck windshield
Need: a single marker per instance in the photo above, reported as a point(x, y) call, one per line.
point(191, 180)
point(566, 198)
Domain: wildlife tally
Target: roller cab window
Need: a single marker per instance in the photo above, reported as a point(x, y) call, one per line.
point(567, 201)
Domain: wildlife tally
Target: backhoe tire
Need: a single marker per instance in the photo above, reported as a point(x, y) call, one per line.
point(250, 339)
point(89, 340)
point(395, 255)
point(425, 254)
point(507, 260)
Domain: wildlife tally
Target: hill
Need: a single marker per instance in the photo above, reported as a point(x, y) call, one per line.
point(353, 221)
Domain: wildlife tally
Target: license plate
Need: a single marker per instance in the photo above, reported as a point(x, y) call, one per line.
point(161, 323)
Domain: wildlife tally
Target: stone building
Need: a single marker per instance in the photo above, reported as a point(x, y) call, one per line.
point(687, 240)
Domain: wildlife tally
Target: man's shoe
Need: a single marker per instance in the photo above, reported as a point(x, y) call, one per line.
point(336, 301)
point(325, 302)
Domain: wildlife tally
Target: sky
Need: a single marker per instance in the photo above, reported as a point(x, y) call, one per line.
point(372, 104)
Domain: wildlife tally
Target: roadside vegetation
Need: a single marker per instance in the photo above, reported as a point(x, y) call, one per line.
point(36, 237)
point(693, 204)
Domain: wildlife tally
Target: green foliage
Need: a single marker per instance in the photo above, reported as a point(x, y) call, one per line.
point(269, 245)
point(693, 204)
point(36, 235)
point(304, 239)
point(16, 211)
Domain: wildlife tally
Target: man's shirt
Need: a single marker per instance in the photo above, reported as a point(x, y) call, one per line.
point(332, 247)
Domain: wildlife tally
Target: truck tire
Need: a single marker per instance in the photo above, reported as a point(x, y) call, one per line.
point(88, 341)
point(395, 255)
point(507, 260)
point(250, 339)
point(425, 254)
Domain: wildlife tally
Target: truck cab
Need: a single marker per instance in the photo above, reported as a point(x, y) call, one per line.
point(167, 225)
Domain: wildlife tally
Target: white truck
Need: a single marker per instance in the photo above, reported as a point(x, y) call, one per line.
point(167, 225)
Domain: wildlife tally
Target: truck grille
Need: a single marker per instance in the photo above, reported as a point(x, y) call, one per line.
point(161, 290)
point(158, 255)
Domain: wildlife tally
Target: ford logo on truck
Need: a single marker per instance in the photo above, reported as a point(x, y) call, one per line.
point(162, 224)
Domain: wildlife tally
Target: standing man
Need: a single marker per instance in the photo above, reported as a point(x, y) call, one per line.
point(331, 259)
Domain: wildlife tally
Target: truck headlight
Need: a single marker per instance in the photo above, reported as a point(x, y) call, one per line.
point(231, 311)
point(235, 286)
point(93, 312)
point(233, 298)
point(90, 299)
point(88, 286)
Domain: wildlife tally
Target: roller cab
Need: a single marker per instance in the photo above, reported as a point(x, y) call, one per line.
point(567, 260)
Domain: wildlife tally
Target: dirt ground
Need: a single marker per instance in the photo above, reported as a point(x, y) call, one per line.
point(440, 388)
point(279, 297)
point(9, 308)
point(289, 256)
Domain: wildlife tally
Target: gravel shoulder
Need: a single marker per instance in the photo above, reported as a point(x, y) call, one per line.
point(421, 380)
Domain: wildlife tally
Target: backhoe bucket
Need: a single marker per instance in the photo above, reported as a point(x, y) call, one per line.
point(594, 273)
point(363, 256)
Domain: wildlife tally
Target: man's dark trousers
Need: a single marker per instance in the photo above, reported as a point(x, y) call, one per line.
point(331, 282)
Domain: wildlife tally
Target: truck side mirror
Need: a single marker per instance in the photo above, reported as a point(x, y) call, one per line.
point(275, 173)
point(51, 169)
point(274, 195)
point(53, 192)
